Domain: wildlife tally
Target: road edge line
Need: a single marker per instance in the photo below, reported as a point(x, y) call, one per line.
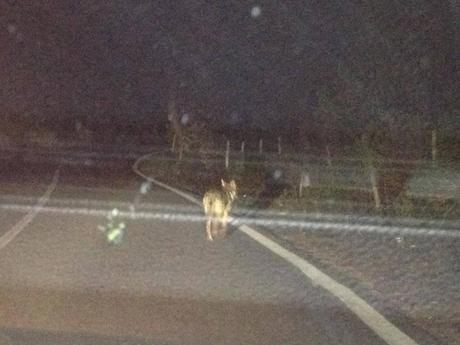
point(16, 229)
point(365, 312)
point(384, 328)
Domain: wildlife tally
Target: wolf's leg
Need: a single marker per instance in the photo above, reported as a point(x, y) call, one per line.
point(223, 222)
point(208, 228)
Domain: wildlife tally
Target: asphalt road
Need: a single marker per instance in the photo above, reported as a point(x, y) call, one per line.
point(61, 283)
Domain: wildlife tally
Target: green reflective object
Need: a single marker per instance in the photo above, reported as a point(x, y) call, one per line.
point(115, 235)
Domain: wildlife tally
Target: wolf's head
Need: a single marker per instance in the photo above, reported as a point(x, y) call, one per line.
point(230, 188)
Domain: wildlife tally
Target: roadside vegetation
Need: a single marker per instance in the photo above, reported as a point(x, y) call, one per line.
point(271, 182)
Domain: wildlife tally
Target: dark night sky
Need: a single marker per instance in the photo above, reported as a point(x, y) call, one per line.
point(120, 60)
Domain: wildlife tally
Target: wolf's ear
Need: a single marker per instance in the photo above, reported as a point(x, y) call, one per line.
point(223, 182)
point(233, 184)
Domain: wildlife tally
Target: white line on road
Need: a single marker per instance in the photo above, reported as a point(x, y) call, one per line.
point(19, 226)
point(92, 212)
point(194, 215)
point(371, 317)
point(310, 222)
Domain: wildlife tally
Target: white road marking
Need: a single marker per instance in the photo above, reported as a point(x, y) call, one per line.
point(92, 212)
point(186, 196)
point(371, 317)
point(166, 212)
point(316, 220)
point(21, 225)
point(313, 222)
point(386, 330)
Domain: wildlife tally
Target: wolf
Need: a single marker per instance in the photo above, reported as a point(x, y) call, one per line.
point(217, 205)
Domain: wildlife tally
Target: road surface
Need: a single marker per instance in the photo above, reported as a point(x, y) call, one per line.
point(61, 283)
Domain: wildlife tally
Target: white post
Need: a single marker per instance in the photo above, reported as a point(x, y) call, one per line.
point(304, 182)
point(261, 144)
point(434, 151)
point(242, 147)
point(279, 145)
point(227, 155)
point(375, 189)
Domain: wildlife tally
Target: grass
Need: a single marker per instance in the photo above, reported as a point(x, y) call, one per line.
point(260, 187)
